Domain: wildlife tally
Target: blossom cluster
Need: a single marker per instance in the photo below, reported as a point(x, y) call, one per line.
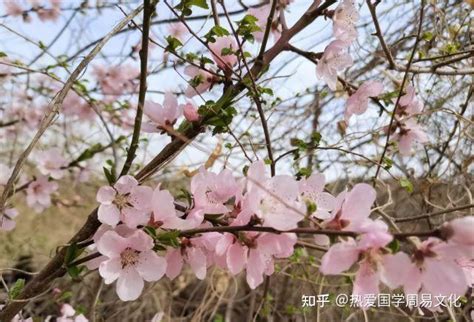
point(246, 224)
point(46, 10)
point(336, 58)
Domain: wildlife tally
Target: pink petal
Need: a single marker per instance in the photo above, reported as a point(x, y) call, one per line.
point(223, 244)
point(191, 112)
point(366, 283)
point(255, 269)
point(140, 197)
point(111, 244)
point(108, 214)
point(412, 281)
point(170, 101)
point(281, 246)
point(174, 263)
point(443, 277)
point(163, 205)
point(359, 200)
point(197, 260)
point(224, 61)
point(129, 285)
point(461, 230)
point(339, 258)
point(110, 270)
point(151, 267)
point(395, 269)
point(140, 241)
point(134, 218)
point(125, 184)
point(236, 258)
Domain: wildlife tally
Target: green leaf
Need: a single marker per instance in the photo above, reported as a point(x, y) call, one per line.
point(387, 163)
point(247, 27)
point(185, 6)
point(427, 36)
point(90, 152)
point(303, 172)
point(405, 183)
point(394, 246)
point(310, 207)
point(173, 44)
point(16, 289)
point(2, 54)
point(169, 238)
point(216, 31)
point(70, 254)
point(199, 3)
point(300, 144)
point(75, 271)
point(109, 176)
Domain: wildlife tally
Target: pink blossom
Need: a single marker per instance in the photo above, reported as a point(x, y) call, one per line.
point(162, 117)
point(190, 111)
point(121, 229)
point(375, 266)
point(177, 29)
point(32, 116)
point(409, 134)
point(131, 260)
point(352, 208)
point(191, 252)
point(68, 314)
point(116, 80)
point(435, 269)
point(275, 201)
point(48, 14)
point(224, 60)
point(12, 8)
point(262, 13)
point(359, 101)
point(334, 59)
point(7, 222)
point(74, 105)
point(166, 216)
point(212, 191)
point(51, 163)
point(312, 191)
point(408, 103)
point(126, 201)
point(38, 193)
point(344, 21)
point(467, 265)
point(459, 230)
point(200, 81)
point(255, 253)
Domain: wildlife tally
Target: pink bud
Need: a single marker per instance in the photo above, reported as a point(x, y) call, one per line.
point(460, 230)
point(190, 112)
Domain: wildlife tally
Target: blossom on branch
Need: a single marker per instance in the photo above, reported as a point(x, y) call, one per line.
point(38, 193)
point(126, 201)
point(344, 21)
point(130, 261)
point(335, 58)
point(162, 117)
point(51, 163)
point(358, 102)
